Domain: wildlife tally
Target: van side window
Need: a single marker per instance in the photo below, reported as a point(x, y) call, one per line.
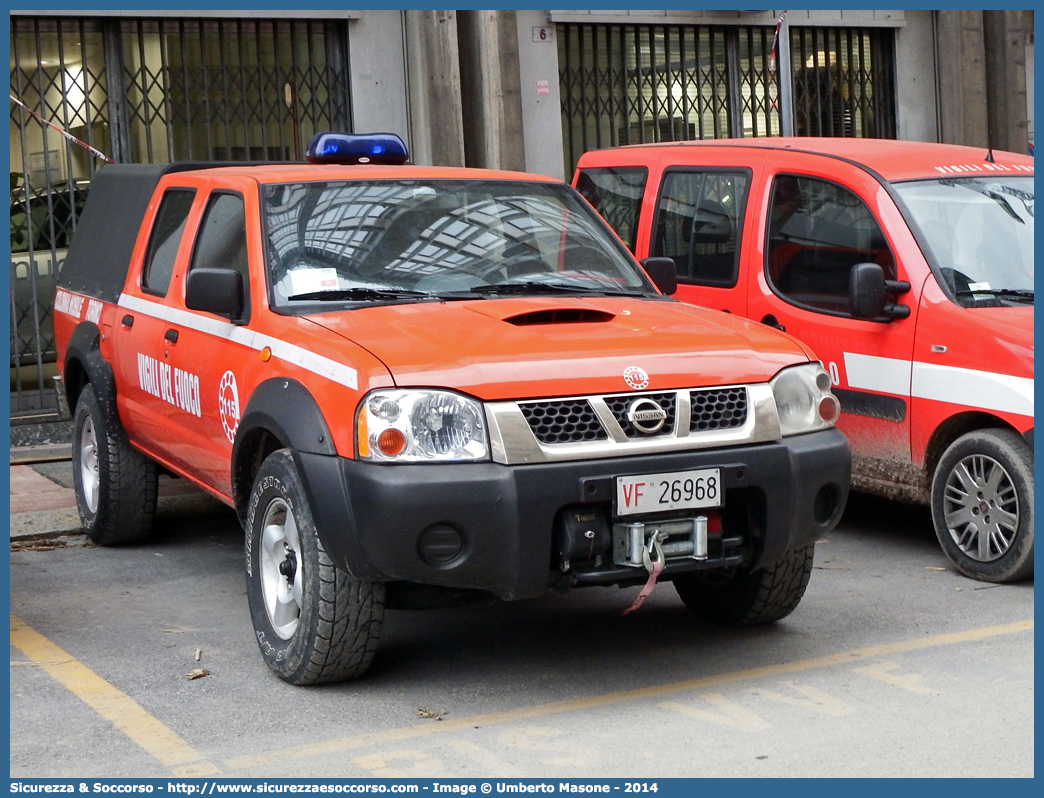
point(699, 223)
point(616, 193)
point(221, 241)
point(817, 232)
point(165, 238)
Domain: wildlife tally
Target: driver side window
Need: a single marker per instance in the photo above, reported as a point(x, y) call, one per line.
point(817, 232)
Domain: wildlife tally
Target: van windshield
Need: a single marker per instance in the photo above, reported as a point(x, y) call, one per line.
point(409, 240)
point(980, 233)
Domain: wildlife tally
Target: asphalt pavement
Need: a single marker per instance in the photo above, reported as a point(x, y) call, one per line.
point(893, 665)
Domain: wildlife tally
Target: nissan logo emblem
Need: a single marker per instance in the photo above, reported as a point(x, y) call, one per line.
point(646, 416)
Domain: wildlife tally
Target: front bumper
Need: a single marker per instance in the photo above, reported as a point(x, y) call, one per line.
point(371, 518)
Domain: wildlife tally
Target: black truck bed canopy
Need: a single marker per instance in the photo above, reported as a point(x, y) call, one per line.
point(100, 250)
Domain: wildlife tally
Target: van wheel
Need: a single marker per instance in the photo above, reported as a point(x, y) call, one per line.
point(745, 598)
point(115, 484)
point(314, 623)
point(982, 505)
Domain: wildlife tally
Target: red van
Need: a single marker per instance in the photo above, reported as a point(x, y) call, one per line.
point(907, 267)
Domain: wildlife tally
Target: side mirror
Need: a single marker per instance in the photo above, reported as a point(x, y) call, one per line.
point(217, 291)
point(663, 272)
point(868, 293)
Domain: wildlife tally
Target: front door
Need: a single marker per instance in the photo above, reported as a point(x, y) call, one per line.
point(815, 226)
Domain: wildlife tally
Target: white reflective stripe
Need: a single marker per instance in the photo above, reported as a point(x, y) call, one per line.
point(1000, 392)
point(881, 374)
point(298, 356)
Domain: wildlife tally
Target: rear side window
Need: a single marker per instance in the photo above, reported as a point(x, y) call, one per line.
point(616, 193)
point(221, 243)
point(817, 232)
point(699, 223)
point(165, 238)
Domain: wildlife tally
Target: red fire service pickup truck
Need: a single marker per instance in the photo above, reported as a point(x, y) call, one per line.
point(906, 267)
point(421, 386)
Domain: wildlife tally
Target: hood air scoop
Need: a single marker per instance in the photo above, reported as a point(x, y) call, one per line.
point(560, 316)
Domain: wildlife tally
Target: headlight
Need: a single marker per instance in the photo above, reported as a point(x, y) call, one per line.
point(414, 426)
point(803, 399)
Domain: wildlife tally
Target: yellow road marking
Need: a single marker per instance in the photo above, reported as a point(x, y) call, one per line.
point(541, 710)
point(117, 707)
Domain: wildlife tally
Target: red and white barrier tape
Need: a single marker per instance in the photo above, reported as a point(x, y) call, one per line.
point(65, 133)
point(775, 40)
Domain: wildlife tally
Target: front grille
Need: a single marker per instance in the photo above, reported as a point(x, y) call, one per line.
point(619, 405)
point(563, 421)
point(718, 408)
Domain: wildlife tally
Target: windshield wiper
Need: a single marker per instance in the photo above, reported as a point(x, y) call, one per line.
point(361, 294)
point(533, 287)
point(993, 195)
point(1014, 293)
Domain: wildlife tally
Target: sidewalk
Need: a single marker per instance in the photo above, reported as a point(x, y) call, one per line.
point(43, 502)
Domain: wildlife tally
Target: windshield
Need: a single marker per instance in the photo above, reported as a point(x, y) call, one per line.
point(336, 242)
point(980, 233)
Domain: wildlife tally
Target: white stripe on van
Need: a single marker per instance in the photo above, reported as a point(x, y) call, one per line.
point(986, 390)
point(298, 356)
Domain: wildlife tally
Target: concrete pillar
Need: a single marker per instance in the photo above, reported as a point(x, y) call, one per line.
point(1005, 39)
point(961, 68)
point(541, 97)
point(491, 95)
point(433, 68)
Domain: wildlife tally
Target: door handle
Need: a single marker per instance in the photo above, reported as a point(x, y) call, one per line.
point(772, 321)
point(127, 321)
point(172, 336)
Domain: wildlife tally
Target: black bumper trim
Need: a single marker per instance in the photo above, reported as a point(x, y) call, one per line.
point(371, 516)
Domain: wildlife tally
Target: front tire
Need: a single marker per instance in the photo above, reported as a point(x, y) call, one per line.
point(115, 484)
point(745, 597)
point(314, 622)
point(982, 505)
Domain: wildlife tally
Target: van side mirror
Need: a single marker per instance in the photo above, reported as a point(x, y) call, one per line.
point(868, 293)
point(663, 272)
point(217, 291)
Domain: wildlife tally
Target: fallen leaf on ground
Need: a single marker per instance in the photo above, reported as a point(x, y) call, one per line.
point(198, 653)
point(934, 568)
point(198, 673)
point(427, 713)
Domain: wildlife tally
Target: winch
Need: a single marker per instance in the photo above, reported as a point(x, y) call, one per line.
point(677, 538)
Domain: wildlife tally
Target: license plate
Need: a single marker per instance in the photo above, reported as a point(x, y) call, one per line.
point(657, 493)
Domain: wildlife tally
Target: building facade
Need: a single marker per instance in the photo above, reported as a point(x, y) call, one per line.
point(528, 90)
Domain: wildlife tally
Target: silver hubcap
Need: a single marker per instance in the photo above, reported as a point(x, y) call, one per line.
point(89, 465)
point(281, 569)
point(981, 507)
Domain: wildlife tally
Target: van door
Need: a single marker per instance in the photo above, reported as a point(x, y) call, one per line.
point(698, 223)
point(819, 218)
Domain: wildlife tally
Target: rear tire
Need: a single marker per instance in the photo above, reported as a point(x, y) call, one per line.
point(314, 622)
point(982, 505)
point(115, 484)
point(747, 598)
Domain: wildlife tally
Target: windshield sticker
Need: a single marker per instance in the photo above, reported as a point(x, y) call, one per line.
point(172, 385)
point(984, 167)
point(978, 286)
point(228, 404)
point(308, 281)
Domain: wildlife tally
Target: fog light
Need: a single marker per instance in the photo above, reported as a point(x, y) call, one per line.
point(440, 544)
point(825, 505)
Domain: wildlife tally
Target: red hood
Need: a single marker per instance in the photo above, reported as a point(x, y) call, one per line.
point(486, 347)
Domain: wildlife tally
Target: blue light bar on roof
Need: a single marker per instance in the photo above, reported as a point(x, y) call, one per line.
point(356, 148)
